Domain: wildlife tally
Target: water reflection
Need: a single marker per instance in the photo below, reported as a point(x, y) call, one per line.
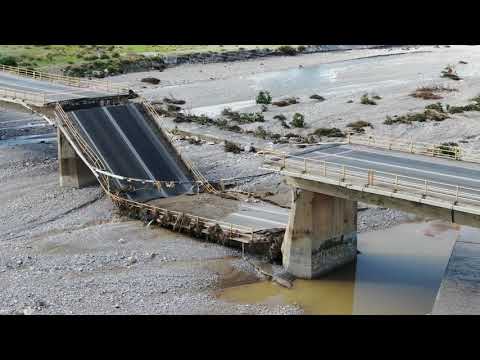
point(29, 139)
point(398, 272)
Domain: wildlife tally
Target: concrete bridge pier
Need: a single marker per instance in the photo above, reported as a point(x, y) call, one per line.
point(73, 171)
point(321, 234)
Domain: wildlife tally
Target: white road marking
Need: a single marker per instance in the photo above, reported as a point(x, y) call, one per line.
point(129, 144)
point(93, 144)
point(166, 152)
point(403, 167)
point(328, 154)
point(262, 210)
point(258, 219)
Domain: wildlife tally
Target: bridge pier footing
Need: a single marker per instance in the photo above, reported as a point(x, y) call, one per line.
point(73, 171)
point(321, 234)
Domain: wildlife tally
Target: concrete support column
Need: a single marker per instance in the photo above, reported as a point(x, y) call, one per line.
point(321, 234)
point(73, 171)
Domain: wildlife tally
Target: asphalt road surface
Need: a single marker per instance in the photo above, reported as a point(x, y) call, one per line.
point(55, 91)
point(129, 145)
point(452, 172)
point(259, 217)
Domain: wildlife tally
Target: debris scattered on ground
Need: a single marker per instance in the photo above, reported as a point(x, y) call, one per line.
point(317, 97)
point(451, 73)
point(151, 80)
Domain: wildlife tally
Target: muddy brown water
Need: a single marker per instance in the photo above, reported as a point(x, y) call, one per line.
point(399, 271)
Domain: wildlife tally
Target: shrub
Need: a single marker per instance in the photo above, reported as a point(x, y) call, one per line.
point(437, 107)
point(429, 114)
point(287, 50)
point(151, 80)
point(358, 126)
point(425, 95)
point(328, 132)
point(261, 132)
point(222, 124)
point(8, 60)
point(246, 118)
point(301, 48)
point(429, 92)
point(298, 121)
point(243, 118)
point(449, 72)
point(174, 101)
point(234, 128)
point(283, 120)
point(173, 108)
point(461, 109)
point(89, 57)
point(264, 97)
point(435, 115)
point(264, 108)
point(232, 147)
point(476, 99)
point(365, 100)
point(317, 97)
point(286, 102)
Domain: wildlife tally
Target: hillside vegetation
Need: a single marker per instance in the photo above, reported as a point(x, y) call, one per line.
point(60, 57)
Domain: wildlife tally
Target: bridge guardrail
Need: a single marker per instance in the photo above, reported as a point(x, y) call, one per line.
point(344, 175)
point(101, 85)
point(34, 97)
point(420, 148)
point(197, 174)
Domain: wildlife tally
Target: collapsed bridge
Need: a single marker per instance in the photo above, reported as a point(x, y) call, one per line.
point(107, 135)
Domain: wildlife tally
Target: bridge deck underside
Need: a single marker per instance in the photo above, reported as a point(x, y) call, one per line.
point(129, 146)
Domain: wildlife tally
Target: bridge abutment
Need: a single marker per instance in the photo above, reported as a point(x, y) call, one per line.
point(321, 234)
point(73, 171)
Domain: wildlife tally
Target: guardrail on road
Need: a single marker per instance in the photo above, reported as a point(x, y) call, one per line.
point(36, 98)
point(421, 148)
point(447, 195)
point(96, 84)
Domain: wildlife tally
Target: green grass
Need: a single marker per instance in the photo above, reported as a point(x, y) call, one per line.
point(47, 57)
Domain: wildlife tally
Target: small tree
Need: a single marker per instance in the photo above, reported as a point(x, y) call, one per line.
point(264, 97)
point(298, 121)
point(8, 60)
